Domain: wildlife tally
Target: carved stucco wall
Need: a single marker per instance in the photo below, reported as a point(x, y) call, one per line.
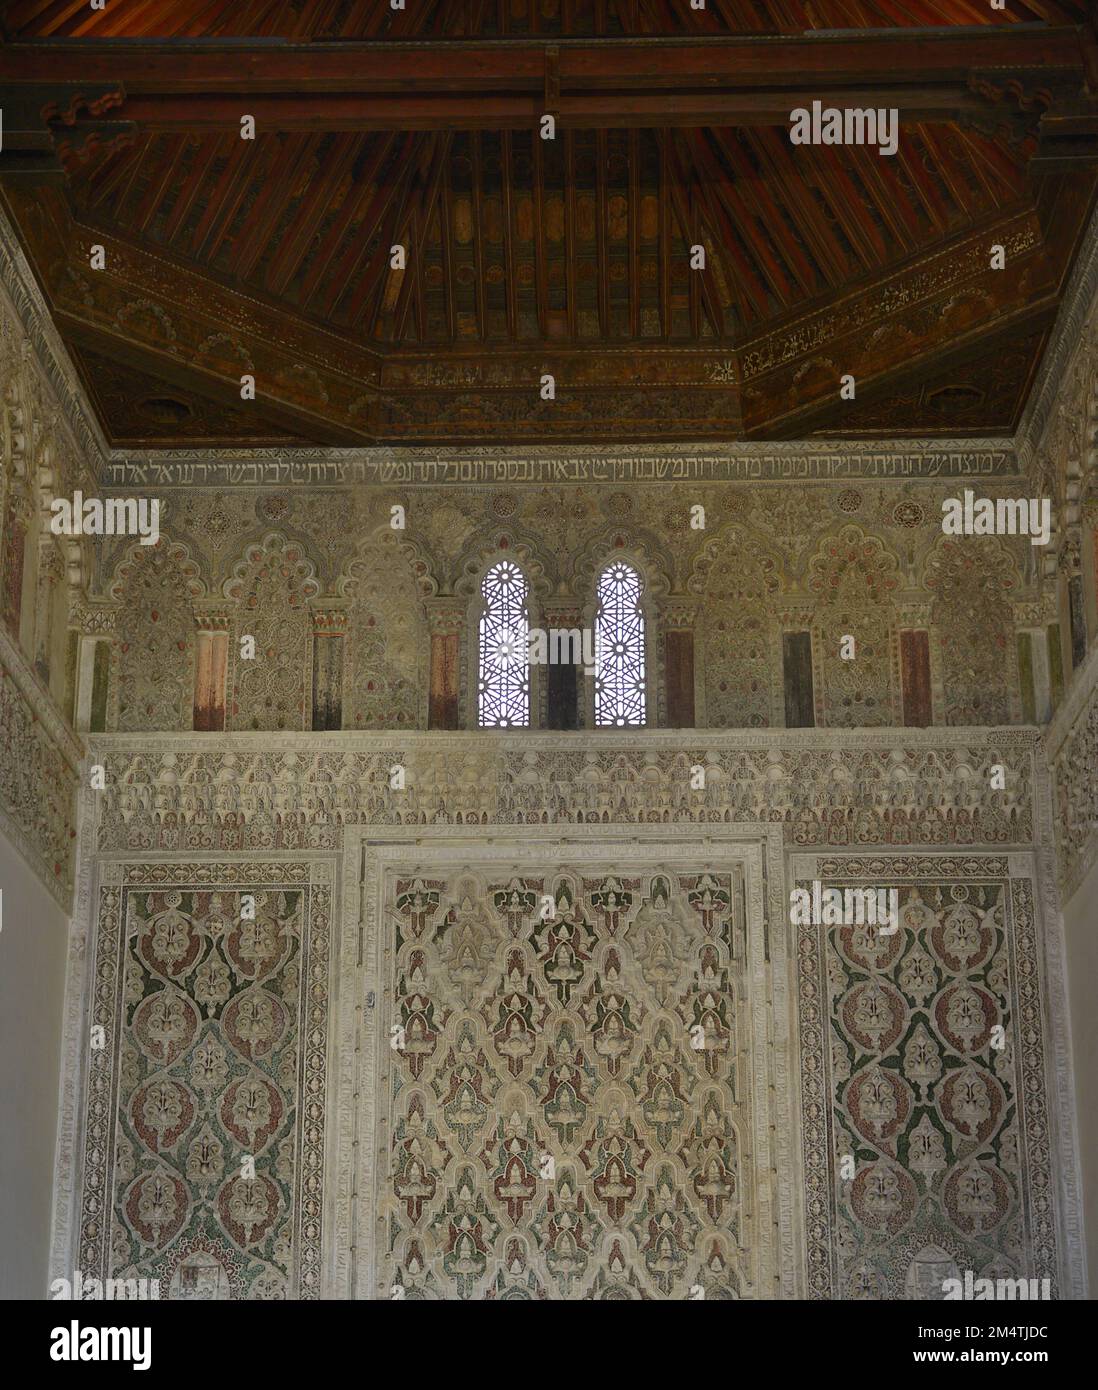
point(221, 1037)
point(862, 558)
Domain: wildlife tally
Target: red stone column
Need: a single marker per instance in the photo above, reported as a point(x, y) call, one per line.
point(677, 619)
point(446, 619)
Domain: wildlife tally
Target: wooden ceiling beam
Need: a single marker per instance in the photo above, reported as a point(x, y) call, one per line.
point(912, 162)
point(495, 84)
point(311, 111)
point(200, 167)
point(778, 163)
point(685, 201)
point(849, 208)
point(665, 244)
point(937, 142)
point(162, 178)
point(446, 252)
point(211, 65)
point(541, 267)
point(122, 172)
point(634, 236)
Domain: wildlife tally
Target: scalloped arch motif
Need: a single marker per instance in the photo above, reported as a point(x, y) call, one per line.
point(387, 638)
point(650, 560)
point(272, 585)
point(854, 577)
point(739, 581)
point(485, 549)
point(972, 579)
point(154, 587)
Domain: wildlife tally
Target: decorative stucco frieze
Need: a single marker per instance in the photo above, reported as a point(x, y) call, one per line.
point(39, 761)
point(507, 466)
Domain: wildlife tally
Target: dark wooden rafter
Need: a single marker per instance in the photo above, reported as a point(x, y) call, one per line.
point(255, 234)
point(761, 206)
point(602, 217)
point(465, 18)
point(884, 193)
point(509, 234)
point(365, 199)
point(383, 202)
point(571, 249)
point(123, 175)
point(778, 165)
point(937, 141)
point(362, 308)
point(932, 201)
point(241, 169)
point(665, 242)
point(310, 213)
point(541, 267)
point(478, 232)
point(734, 221)
point(204, 156)
point(744, 282)
point(695, 282)
point(634, 279)
point(446, 254)
point(417, 222)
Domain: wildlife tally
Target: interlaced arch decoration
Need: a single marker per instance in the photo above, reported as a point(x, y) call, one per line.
point(503, 668)
point(620, 682)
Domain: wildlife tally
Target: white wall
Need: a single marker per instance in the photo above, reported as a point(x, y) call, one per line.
point(1081, 936)
point(33, 946)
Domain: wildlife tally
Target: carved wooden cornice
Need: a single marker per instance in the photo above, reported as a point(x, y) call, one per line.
point(1078, 309)
point(177, 324)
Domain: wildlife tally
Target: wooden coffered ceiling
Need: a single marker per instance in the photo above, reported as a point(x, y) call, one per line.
point(527, 257)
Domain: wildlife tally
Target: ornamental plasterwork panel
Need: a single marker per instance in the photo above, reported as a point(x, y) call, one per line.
point(609, 799)
point(574, 1112)
point(39, 760)
point(199, 1166)
point(929, 1052)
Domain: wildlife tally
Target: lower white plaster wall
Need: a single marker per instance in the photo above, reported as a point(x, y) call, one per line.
point(33, 946)
point(1081, 940)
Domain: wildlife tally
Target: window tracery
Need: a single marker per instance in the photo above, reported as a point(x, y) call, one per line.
point(620, 656)
point(503, 667)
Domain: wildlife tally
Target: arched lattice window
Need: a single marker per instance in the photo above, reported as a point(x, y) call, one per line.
point(503, 670)
point(619, 648)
